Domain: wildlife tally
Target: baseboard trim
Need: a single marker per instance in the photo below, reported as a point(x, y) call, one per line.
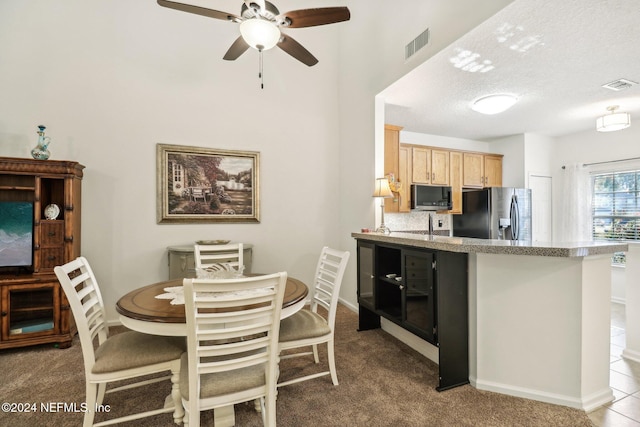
point(415, 342)
point(631, 355)
point(423, 347)
point(347, 304)
point(587, 403)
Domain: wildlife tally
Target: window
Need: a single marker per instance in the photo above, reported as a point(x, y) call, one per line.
point(616, 208)
point(177, 172)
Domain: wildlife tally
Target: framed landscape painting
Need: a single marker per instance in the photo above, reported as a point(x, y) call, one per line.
point(207, 185)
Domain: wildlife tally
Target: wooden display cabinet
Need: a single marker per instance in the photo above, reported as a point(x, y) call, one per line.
point(33, 307)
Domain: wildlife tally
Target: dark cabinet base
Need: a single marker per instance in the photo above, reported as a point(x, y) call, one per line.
point(367, 319)
point(430, 300)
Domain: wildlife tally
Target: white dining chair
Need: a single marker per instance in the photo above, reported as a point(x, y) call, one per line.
point(219, 257)
point(120, 356)
point(308, 327)
point(232, 341)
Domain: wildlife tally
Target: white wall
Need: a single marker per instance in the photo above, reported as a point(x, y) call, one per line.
point(513, 170)
point(111, 79)
point(538, 152)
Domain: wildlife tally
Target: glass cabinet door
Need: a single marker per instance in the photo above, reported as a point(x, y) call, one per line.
point(31, 309)
point(366, 275)
point(419, 292)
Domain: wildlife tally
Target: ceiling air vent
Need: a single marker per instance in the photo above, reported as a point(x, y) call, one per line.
point(416, 44)
point(619, 84)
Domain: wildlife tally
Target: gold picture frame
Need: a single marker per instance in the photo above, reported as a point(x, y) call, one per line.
point(196, 184)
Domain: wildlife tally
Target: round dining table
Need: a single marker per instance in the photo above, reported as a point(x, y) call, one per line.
point(141, 311)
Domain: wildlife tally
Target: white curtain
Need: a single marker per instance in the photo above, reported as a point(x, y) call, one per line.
point(576, 193)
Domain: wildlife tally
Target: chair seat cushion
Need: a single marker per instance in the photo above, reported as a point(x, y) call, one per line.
point(221, 383)
point(132, 349)
point(303, 324)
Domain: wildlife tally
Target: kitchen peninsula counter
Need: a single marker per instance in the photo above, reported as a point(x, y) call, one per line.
point(504, 247)
point(538, 313)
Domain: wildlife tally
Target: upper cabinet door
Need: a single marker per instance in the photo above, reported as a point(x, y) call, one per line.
point(492, 171)
point(472, 170)
point(439, 167)
point(421, 163)
point(430, 166)
point(482, 170)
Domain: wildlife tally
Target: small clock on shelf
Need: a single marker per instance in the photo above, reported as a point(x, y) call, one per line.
point(51, 211)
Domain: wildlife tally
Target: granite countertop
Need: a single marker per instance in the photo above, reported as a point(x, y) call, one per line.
point(506, 247)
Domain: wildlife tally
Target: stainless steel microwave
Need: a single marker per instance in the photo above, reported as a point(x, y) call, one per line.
point(430, 198)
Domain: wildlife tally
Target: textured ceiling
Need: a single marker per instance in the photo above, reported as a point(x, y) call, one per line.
point(553, 55)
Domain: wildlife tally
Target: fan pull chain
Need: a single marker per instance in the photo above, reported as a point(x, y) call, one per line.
point(261, 72)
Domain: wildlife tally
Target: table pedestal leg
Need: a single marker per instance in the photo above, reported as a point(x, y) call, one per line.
point(224, 416)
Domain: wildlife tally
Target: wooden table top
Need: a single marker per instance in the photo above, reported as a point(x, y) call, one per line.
point(142, 304)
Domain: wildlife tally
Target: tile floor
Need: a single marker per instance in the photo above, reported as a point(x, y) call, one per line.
point(624, 380)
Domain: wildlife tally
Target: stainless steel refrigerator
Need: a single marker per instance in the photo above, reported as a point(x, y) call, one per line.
point(495, 213)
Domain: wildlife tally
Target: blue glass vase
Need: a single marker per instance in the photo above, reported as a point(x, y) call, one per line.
point(41, 152)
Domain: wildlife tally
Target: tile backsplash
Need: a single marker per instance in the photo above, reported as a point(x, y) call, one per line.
point(416, 221)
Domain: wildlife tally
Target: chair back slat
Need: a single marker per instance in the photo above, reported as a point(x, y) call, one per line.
point(81, 288)
point(328, 280)
point(212, 256)
point(234, 347)
point(233, 324)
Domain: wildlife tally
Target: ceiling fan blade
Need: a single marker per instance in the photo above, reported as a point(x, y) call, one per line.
point(210, 13)
point(296, 50)
point(312, 17)
point(237, 48)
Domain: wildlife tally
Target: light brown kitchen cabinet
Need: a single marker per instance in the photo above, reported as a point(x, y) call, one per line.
point(472, 170)
point(404, 177)
point(430, 166)
point(481, 170)
point(392, 164)
point(455, 180)
point(421, 164)
point(418, 164)
point(493, 171)
point(440, 167)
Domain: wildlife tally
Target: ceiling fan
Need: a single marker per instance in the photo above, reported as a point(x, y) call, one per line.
point(261, 23)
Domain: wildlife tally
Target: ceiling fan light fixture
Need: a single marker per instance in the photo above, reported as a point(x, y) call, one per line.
point(260, 34)
point(613, 121)
point(493, 104)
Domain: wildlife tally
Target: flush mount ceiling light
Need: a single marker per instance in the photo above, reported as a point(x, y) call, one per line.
point(613, 121)
point(493, 104)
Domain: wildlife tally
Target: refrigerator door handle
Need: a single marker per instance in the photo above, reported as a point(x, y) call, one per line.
point(515, 218)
